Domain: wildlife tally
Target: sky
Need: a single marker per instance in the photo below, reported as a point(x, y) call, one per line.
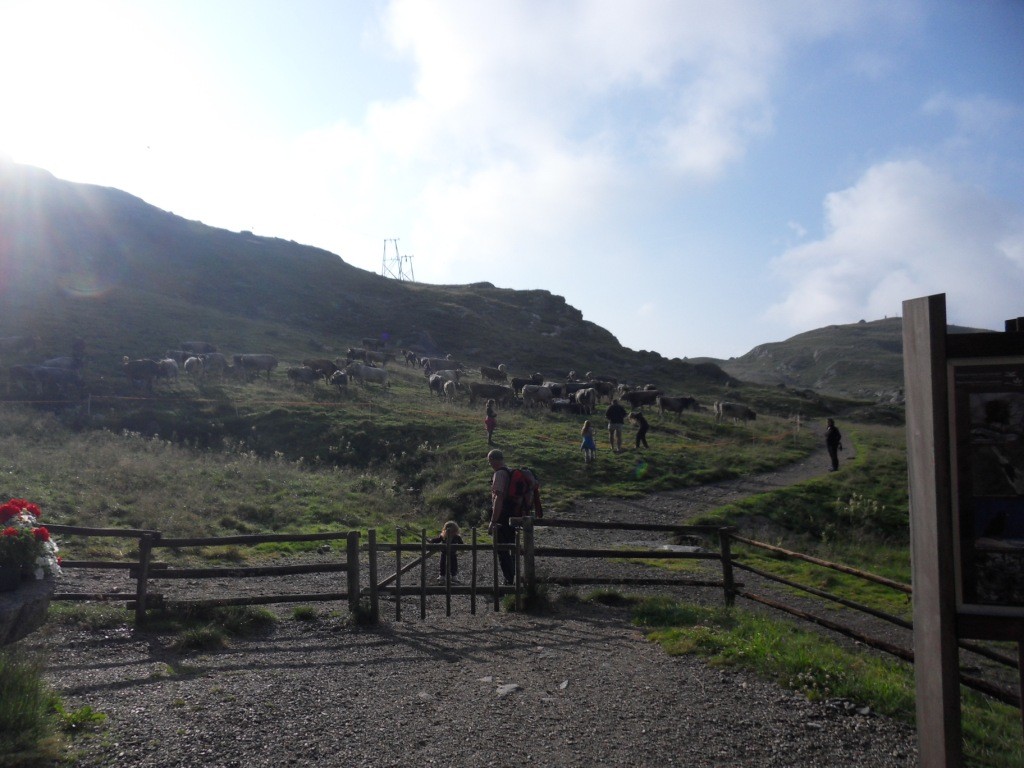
point(697, 178)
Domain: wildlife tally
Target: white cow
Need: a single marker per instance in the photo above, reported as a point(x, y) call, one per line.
point(365, 373)
point(536, 393)
point(194, 367)
point(734, 411)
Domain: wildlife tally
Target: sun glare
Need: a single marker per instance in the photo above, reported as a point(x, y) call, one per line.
point(89, 87)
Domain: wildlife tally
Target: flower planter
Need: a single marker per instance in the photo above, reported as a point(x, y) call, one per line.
point(10, 577)
point(23, 610)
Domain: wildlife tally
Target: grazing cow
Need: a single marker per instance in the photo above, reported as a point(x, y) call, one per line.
point(178, 355)
point(436, 384)
point(518, 382)
point(194, 367)
point(498, 392)
point(640, 397)
point(365, 373)
point(355, 353)
point(197, 347)
point(254, 365)
point(450, 388)
point(62, 382)
point(141, 372)
point(410, 358)
point(493, 374)
point(169, 369)
point(214, 363)
point(435, 364)
point(537, 393)
point(339, 379)
point(597, 377)
point(322, 366)
point(676, 405)
point(605, 389)
point(303, 374)
point(448, 374)
point(569, 388)
point(586, 399)
point(374, 356)
point(734, 411)
point(557, 388)
point(564, 405)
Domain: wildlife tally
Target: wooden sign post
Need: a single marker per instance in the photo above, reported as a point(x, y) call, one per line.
point(965, 463)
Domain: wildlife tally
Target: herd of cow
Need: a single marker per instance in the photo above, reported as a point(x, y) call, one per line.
point(573, 394)
point(366, 364)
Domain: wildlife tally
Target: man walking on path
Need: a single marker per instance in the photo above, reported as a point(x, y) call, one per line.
point(616, 416)
point(833, 443)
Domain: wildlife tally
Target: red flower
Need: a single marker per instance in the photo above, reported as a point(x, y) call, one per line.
point(41, 534)
point(7, 511)
point(33, 509)
point(10, 531)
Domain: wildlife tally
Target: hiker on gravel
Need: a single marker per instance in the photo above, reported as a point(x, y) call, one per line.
point(616, 416)
point(449, 535)
point(589, 445)
point(833, 444)
point(500, 526)
point(490, 421)
point(642, 426)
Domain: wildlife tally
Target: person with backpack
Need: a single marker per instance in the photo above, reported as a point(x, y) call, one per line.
point(514, 493)
point(833, 444)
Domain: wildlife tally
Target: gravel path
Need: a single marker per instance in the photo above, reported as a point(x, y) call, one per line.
point(579, 686)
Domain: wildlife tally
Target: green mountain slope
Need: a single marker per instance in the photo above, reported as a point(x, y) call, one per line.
point(862, 360)
point(97, 263)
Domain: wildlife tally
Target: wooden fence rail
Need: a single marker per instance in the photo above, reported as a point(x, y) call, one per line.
point(906, 654)
point(145, 569)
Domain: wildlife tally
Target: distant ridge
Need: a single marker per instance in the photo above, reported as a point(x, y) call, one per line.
point(862, 360)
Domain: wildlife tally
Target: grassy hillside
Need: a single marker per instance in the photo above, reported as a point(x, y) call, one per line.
point(97, 263)
point(863, 361)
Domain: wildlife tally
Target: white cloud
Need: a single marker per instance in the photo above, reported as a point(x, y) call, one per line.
point(906, 230)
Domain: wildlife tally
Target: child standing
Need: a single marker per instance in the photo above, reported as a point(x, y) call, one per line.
point(449, 535)
point(588, 446)
point(642, 426)
point(490, 421)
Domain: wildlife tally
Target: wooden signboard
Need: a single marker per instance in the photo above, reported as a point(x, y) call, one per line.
point(965, 464)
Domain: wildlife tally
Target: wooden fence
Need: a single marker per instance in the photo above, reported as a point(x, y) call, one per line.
point(145, 570)
point(970, 681)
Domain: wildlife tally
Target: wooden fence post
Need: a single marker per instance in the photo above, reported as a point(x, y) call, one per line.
point(727, 578)
point(371, 539)
point(423, 574)
point(352, 553)
point(472, 577)
point(494, 565)
point(142, 584)
point(398, 574)
point(517, 564)
point(529, 563)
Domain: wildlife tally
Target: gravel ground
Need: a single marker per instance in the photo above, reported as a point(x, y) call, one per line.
point(578, 686)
